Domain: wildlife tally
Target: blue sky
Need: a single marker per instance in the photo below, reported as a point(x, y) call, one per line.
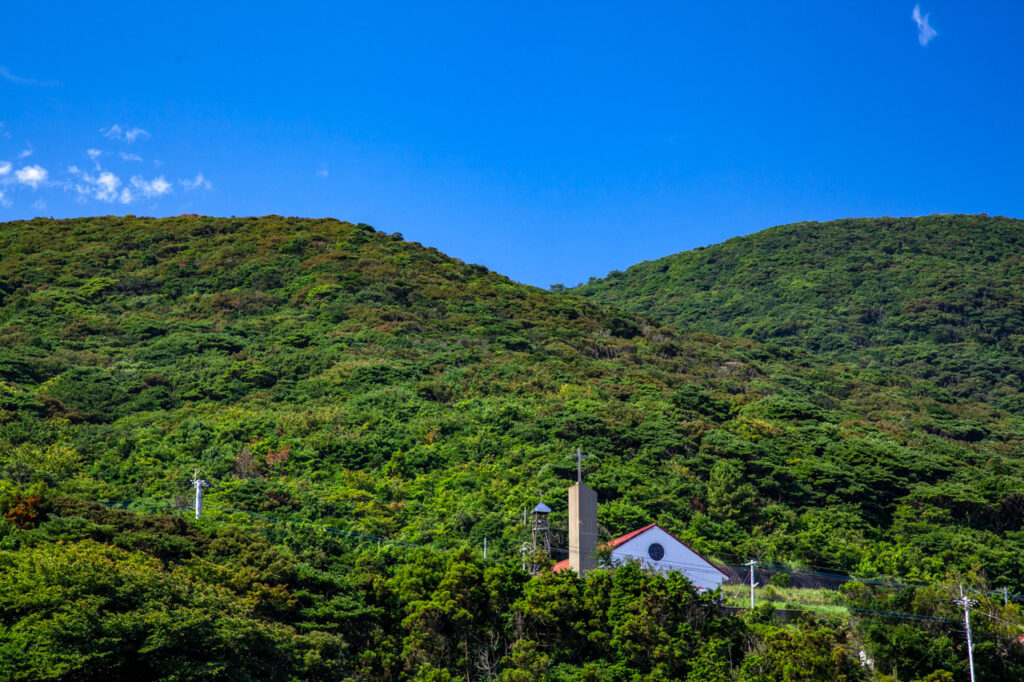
point(550, 142)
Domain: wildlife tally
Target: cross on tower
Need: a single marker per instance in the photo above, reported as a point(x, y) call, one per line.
point(579, 464)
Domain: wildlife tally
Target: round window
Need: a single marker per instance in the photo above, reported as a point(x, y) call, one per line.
point(656, 551)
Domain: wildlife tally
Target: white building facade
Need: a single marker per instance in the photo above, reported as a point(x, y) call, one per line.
point(657, 550)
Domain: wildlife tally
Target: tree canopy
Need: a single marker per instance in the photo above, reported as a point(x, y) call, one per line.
point(326, 374)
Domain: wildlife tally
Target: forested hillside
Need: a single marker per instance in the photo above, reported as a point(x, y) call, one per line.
point(939, 297)
point(326, 373)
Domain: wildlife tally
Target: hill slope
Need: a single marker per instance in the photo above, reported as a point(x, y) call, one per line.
point(326, 373)
point(331, 371)
point(939, 297)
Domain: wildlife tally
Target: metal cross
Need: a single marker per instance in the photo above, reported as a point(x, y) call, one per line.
point(579, 464)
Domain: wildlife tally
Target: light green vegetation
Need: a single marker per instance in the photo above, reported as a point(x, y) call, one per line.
point(333, 375)
point(939, 297)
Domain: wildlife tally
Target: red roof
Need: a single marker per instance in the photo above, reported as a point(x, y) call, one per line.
point(623, 539)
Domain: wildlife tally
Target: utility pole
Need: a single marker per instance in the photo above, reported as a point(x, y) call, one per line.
point(199, 484)
point(967, 604)
point(485, 548)
point(751, 563)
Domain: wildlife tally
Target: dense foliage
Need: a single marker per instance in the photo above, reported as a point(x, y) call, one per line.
point(325, 372)
point(939, 297)
point(97, 594)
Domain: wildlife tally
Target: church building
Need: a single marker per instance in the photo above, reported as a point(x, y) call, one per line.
point(652, 546)
point(656, 549)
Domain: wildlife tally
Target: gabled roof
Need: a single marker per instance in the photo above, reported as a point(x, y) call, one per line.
point(623, 539)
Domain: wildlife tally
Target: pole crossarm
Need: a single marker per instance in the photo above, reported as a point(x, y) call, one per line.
point(967, 603)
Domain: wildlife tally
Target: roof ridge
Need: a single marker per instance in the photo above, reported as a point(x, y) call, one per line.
point(623, 539)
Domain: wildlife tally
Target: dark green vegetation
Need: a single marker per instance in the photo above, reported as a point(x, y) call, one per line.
point(939, 297)
point(328, 373)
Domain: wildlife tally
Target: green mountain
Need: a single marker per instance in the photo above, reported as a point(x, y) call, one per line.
point(939, 297)
point(370, 410)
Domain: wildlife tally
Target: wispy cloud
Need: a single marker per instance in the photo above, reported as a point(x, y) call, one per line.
point(103, 187)
point(322, 171)
point(198, 182)
point(3, 132)
point(6, 74)
point(33, 176)
point(116, 132)
point(154, 188)
point(925, 32)
point(106, 186)
point(92, 182)
point(134, 134)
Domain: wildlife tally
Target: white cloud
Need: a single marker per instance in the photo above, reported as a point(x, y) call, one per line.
point(925, 32)
point(322, 172)
point(130, 157)
point(116, 132)
point(106, 186)
point(93, 153)
point(4, 201)
point(6, 135)
point(32, 176)
point(154, 188)
point(102, 187)
point(39, 205)
point(198, 182)
point(126, 196)
point(26, 152)
point(5, 168)
point(134, 134)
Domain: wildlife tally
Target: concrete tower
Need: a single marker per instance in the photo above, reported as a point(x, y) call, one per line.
point(582, 528)
point(582, 523)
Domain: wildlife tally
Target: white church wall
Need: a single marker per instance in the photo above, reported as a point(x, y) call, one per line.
point(676, 557)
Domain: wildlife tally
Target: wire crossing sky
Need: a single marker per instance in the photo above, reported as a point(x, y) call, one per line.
point(548, 141)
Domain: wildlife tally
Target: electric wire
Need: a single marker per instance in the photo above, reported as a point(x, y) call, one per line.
point(687, 567)
point(132, 504)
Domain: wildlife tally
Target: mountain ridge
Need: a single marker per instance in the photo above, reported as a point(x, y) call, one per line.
point(938, 296)
point(322, 374)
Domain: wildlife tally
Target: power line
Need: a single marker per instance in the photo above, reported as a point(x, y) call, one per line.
point(687, 567)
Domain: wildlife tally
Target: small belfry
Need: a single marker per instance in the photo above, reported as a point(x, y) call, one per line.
point(540, 528)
